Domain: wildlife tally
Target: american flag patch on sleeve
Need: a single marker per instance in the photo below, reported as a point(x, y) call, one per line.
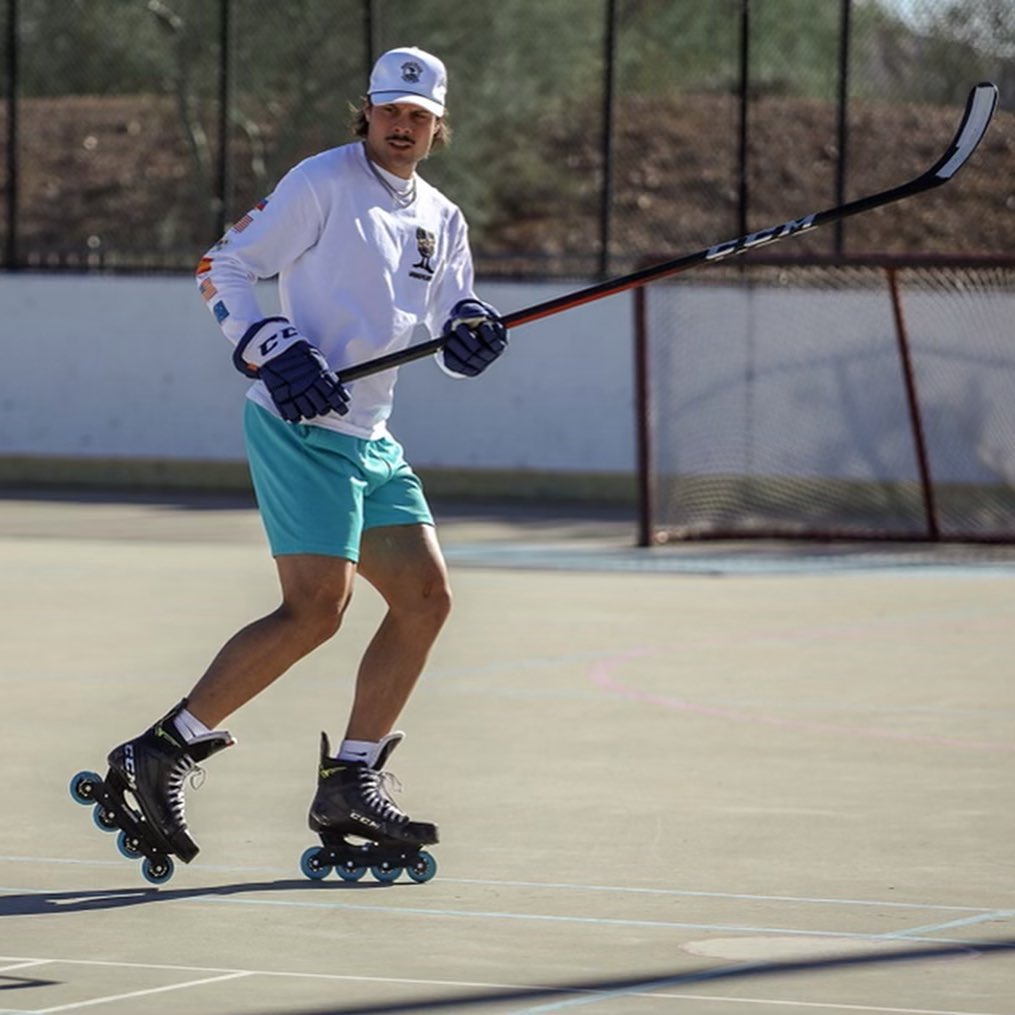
point(242, 223)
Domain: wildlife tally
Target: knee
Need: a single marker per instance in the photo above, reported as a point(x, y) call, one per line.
point(316, 617)
point(439, 599)
point(431, 602)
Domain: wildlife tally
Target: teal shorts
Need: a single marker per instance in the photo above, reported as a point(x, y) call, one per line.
point(318, 490)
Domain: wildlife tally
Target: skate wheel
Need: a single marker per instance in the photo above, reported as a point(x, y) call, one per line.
point(158, 871)
point(104, 819)
point(82, 787)
point(311, 866)
point(348, 871)
point(423, 868)
point(128, 845)
point(385, 872)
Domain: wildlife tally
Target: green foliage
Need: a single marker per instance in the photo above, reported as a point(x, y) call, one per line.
point(795, 47)
point(669, 47)
point(99, 47)
point(527, 77)
point(506, 55)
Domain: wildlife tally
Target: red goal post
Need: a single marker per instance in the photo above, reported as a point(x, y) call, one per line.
point(828, 398)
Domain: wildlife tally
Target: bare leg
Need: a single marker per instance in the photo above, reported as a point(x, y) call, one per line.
point(315, 593)
point(405, 565)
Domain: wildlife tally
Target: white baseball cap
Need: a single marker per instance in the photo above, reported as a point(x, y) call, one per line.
point(410, 75)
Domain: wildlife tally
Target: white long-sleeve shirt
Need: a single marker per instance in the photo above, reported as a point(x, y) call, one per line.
point(356, 272)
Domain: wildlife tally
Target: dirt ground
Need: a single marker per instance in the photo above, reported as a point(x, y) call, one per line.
point(105, 179)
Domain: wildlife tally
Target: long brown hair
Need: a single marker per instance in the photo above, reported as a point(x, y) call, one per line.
point(358, 125)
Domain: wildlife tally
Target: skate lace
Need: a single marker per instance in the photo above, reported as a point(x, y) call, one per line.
point(376, 793)
point(183, 771)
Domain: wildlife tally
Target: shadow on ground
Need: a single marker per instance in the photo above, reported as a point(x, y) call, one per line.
point(600, 990)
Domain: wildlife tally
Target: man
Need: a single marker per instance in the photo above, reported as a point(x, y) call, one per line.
point(365, 250)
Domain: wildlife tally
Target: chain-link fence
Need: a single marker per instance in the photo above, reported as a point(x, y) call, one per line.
point(589, 133)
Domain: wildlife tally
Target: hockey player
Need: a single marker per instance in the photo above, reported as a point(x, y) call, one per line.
point(364, 250)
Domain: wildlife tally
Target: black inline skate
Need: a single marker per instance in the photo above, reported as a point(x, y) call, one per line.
point(352, 802)
point(142, 794)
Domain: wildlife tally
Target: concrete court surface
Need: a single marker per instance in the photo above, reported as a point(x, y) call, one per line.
point(725, 780)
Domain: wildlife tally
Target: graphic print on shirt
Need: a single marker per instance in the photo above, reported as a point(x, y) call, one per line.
point(426, 244)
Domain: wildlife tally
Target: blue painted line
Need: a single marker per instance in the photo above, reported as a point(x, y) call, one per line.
point(593, 921)
point(969, 921)
point(596, 921)
point(738, 896)
point(646, 988)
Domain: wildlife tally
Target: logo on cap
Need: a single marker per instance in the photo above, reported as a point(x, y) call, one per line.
point(411, 72)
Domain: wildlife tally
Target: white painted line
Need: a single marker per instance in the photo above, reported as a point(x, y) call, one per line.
point(777, 1003)
point(539, 917)
point(648, 988)
point(115, 964)
point(492, 883)
point(286, 974)
point(323, 902)
point(656, 988)
point(587, 995)
point(684, 893)
point(23, 965)
point(141, 993)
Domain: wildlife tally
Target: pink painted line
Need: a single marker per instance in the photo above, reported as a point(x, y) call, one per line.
point(602, 674)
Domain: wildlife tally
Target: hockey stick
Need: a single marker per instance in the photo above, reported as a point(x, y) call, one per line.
point(975, 120)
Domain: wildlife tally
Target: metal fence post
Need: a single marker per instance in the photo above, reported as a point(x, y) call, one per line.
point(843, 117)
point(222, 184)
point(606, 196)
point(11, 245)
point(369, 40)
point(933, 533)
point(745, 81)
point(643, 420)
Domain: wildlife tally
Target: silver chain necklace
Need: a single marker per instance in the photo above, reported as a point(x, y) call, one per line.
point(402, 198)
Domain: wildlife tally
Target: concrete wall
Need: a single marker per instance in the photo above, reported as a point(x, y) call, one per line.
point(122, 368)
point(118, 372)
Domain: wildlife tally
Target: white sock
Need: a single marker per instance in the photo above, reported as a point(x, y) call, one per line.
point(190, 726)
point(369, 752)
point(365, 751)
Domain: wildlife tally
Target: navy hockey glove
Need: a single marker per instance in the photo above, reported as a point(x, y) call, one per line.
point(297, 376)
point(475, 338)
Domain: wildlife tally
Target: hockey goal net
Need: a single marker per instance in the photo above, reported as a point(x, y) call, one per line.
point(867, 399)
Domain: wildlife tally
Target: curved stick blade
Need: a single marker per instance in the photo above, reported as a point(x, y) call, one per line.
point(980, 108)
